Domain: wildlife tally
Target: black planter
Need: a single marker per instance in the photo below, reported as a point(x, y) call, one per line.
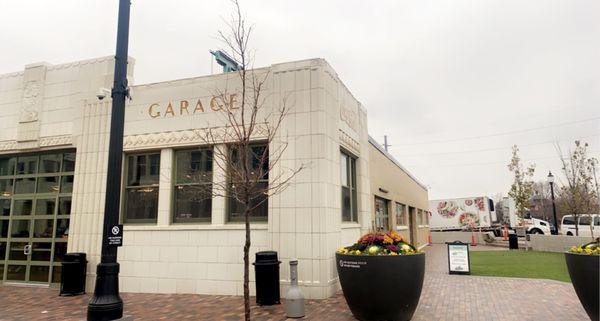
point(584, 273)
point(383, 287)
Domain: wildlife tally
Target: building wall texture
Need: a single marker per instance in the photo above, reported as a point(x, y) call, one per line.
point(396, 185)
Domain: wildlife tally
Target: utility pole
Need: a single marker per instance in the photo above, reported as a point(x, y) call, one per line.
point(106, 304)
point(385, 143)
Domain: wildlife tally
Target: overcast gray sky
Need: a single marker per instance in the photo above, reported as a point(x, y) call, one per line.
point(452, 83)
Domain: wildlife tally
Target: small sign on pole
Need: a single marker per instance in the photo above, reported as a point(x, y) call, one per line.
point(459, 260)
point(115, 235)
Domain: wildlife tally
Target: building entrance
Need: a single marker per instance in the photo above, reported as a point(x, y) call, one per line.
point(35, 206)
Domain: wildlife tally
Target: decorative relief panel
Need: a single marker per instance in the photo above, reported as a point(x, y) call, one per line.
point(349, 117)
point(8, 145)
point(186, 138)
point(50, 141)
point(349, 143)
point(31, 102)
point(56, 140)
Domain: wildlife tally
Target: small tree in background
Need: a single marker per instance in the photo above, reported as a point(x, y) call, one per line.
point(579, 194)
point(541, 201)
point(248, 147)
point(521, 189)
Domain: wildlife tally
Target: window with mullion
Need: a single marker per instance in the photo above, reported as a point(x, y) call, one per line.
point(193, 185)
point(348, 184)
point(141, 189)
point(257, 160)
point(401, 214)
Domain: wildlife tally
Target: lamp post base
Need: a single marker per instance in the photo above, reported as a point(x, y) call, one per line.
point(106, 304)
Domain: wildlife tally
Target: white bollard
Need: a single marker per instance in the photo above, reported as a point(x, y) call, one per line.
point(294, 299)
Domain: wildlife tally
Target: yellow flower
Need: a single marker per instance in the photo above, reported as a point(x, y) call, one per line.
point(393, 253)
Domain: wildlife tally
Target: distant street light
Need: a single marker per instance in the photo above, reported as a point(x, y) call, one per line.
point(551, 181)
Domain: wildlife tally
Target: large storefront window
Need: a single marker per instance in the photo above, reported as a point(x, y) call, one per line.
point(35, 206)
point(141, 189)
point(193, 185)
point(257, 159)
point(348, 182)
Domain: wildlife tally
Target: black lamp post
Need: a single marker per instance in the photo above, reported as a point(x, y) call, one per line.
point(551, 181)
point(106, 304)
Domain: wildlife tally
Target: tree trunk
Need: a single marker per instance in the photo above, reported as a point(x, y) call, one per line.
point(247, 264)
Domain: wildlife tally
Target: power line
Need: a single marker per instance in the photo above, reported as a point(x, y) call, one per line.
point(496, 148)
point(502, 133)
point(495, 162)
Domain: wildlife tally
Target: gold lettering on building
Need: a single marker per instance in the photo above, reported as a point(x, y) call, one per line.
point(183, 105)
point(232, 102)
point(199, 107)
point(169, 110)
point(214, 104)
point(152, 112)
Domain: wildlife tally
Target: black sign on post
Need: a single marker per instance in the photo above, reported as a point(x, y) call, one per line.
point(115, 238)
point(459, 260)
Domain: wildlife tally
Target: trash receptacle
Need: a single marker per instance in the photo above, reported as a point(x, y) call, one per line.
point(72, 278)
point(266, 269)
point(513, 241)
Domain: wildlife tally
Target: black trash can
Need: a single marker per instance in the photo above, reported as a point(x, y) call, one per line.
point(72, 278)
point(266, 269)
point(513, 241)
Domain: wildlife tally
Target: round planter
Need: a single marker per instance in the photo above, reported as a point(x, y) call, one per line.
point(381, 288)
point(584, 272)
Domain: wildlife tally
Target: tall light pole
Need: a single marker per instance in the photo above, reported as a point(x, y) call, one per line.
point(106, 304)
point(551, 181)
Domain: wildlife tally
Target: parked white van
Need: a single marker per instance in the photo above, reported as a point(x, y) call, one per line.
point(567, 226)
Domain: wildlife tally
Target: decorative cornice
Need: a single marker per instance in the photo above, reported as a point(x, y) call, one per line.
point(50, 141)
point(56, 140)
point(189, 137)
point(8, 145)
point(349, 143)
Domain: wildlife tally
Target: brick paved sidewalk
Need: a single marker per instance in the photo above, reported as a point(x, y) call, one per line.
point(444, 297)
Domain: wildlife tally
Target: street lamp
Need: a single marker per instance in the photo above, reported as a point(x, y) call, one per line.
point(551, 181)
point(106, 304)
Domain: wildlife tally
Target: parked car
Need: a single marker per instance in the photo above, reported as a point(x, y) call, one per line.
point(567, 226)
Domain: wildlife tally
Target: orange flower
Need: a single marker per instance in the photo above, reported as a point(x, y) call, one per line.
point(387, 239)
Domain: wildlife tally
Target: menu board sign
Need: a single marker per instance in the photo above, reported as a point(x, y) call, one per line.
point(458, 258)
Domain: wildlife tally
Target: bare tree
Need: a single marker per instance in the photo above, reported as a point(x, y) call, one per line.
point(248, 148)
point(579, 194)
point(522, 186)
point(541, 201)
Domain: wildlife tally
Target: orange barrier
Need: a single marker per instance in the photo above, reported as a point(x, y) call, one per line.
point(473, 240)
point(505, 233)
point(429, 238)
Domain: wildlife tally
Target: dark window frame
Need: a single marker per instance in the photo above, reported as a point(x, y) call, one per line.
point(231, 202)
point(126, 187)
point(176, 184)
point(351, 187)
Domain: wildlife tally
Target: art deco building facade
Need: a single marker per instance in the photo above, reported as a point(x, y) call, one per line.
point(53, 159)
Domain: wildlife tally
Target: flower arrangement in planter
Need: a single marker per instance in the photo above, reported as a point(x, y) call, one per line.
point(379, 243)
point(583, 263)
point(381, 263)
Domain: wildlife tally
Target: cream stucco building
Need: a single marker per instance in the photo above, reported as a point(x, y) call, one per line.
point(53, 160)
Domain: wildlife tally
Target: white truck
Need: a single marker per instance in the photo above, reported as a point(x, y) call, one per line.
point(479, 212)
point(530, 224)
point(462, 213)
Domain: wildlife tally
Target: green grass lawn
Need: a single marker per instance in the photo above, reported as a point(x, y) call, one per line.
point(520, 264)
